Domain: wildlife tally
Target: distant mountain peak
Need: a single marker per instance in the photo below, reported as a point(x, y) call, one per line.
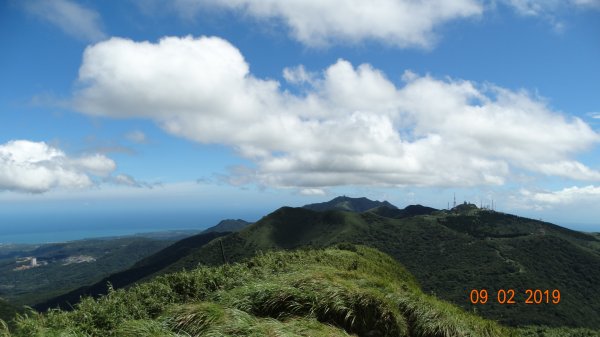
point(228, 225)
point(344, 203)
point(465, 207)
point(408, 211)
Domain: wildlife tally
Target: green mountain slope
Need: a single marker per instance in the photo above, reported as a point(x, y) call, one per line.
point(334, 292)
point(228, 225)
point(409, 211)
point(7, 311)
point(66, 266)
point(348, 204)
point(139, 271)
point(449, 252)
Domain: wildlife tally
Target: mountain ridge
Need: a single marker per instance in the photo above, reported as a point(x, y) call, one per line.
point(341, 291)
point(139, 271)
point(227, 225)
point(337, 291)
point(344, 203)
point(450, 253)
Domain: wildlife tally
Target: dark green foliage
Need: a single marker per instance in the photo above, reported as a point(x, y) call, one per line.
point(349, 204)
point(301, 293)
point(8, 311)
point(37, 284)
point(228, 225)
point(407, 212)
point(542, 331)
point(464, 208)
point(450, 253)
point(137, 272)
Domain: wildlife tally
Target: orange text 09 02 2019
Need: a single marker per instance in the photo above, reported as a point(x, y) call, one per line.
point(511, 296)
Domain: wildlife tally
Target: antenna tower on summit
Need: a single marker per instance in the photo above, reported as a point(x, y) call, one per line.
point(454, 205)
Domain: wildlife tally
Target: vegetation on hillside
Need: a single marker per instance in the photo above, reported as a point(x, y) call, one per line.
point(7, 311)
point(56, 275)
point(342, 291)
point(227, 225)
point(332, 292)
point(348, 204)
point(449, 252)
point(139, 271)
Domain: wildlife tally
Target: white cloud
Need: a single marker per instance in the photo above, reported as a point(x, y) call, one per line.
point(72, 17)
point(530, 7)
point(352, 126)
point(127, 180)
point(587, 3)
point(312, 191)
point(402, 23)
point(399, 23)
point(551, 11)
point(566, 196)
point(137, 136)
point(96, 164)
point(549, 8)
point(298, 75)
point(36, 167)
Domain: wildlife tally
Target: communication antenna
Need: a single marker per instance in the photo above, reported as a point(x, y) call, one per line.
point(454, 205)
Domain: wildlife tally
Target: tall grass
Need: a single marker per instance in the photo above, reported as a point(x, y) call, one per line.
point(4, 330)
point(333, 292)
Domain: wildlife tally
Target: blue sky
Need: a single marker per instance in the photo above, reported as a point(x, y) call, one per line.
point(189, 111)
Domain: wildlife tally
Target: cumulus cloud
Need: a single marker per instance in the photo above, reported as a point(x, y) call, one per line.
point(565, 196)
point(37, 167)
point(312, 191)
point(298, 75)
point(72, 17)
point(351, 125)
point(403, 23)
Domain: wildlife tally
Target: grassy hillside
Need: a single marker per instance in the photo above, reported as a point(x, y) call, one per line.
point(139, 271)
point(227, 225)
point(7, 311)
point(332, 292)
point(450, 254)
point(344, 291)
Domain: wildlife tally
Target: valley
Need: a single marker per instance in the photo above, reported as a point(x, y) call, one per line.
point(31, 273)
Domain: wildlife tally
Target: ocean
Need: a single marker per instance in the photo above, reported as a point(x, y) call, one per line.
point(36, 229)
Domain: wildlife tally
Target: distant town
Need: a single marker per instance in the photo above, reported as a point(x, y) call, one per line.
point(30, 262)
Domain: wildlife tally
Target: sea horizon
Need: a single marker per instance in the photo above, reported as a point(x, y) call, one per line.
point(35, 230)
